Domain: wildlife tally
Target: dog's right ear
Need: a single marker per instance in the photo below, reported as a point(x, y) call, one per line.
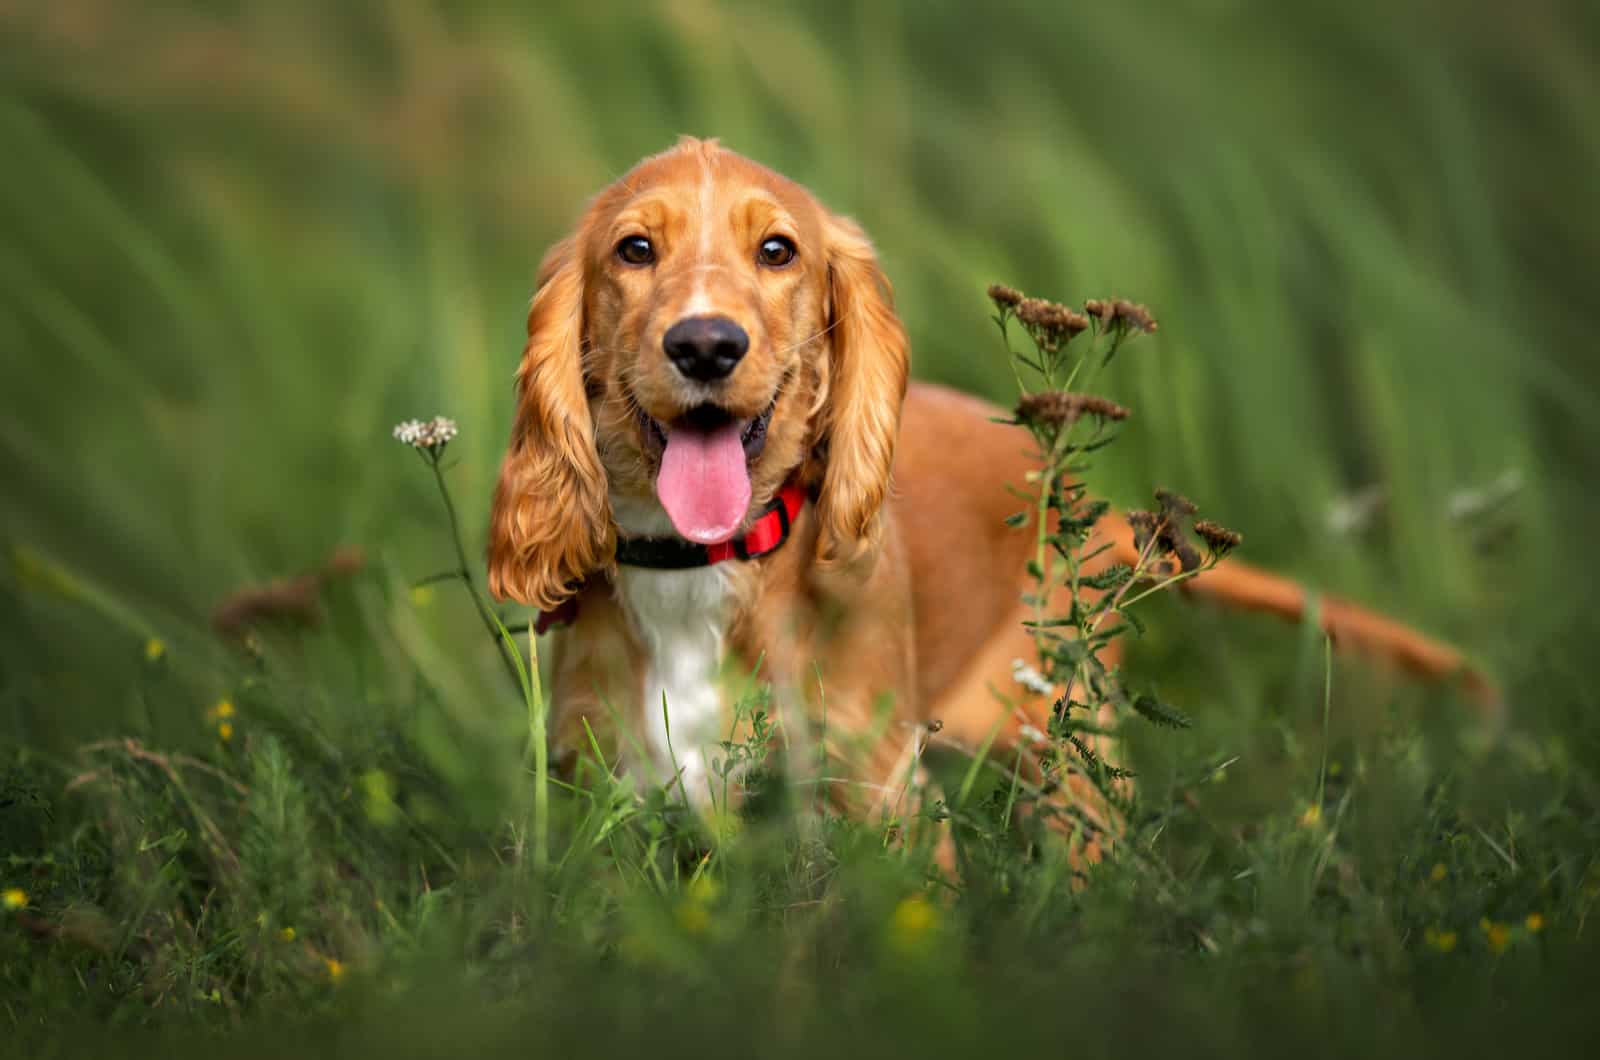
point(550, 526)
point(870, 363)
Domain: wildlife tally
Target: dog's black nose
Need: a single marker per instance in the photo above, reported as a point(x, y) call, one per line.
point(705, 348)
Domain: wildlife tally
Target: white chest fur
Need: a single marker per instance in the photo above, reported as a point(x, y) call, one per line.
point(681, 618)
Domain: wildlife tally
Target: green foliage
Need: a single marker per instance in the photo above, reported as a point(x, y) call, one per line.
point(1154, 710)
point(241, 242)
point(277, 854)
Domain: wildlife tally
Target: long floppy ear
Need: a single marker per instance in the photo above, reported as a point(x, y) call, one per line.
point(870, 360)
point(551, 521)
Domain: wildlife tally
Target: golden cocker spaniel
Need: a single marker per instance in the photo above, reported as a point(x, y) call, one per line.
point(717, 466)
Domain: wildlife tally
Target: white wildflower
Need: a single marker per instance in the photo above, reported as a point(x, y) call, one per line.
point(432, 434)
point(1031, 679)
point(1355, 512)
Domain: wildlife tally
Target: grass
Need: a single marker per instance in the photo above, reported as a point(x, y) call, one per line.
point(240, 246)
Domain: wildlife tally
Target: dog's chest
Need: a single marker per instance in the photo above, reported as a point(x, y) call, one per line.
point(681, 619)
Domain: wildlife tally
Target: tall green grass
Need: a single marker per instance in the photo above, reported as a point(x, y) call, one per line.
point(241, 241)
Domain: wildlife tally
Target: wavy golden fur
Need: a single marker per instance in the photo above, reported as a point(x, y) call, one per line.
point(906, 596)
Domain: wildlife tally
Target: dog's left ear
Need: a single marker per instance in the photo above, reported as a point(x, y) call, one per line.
point(868, 366)
point(551, 521)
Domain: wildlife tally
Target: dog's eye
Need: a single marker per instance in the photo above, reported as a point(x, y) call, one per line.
point(636, 250)
point(776, 252)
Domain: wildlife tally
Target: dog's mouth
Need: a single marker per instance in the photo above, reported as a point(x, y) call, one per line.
point(703, 480)
point(752, 432)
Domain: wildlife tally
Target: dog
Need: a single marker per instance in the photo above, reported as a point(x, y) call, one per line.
point(718, 467)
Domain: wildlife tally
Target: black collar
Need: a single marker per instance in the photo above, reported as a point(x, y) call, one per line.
point(767, 534)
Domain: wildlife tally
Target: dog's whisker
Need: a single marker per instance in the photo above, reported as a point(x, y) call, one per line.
point(808, 340)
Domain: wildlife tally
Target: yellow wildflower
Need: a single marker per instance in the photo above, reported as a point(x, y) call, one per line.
point(286, 934)
point(225, 731)
point(13, 898)
point(693, 917)
point(1534, 923)
point(911, 921)
point(1439, 872)
point(1443, 941)
point(223, 709)
point(693, 913)
point(704, 889)
point(154, 649)
point(335, 968)
point(1498, 935)
point(1312, 817)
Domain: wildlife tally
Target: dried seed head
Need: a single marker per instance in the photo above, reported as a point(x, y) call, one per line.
point(1176, 511)
point(1218, 538)
point(292, 601)
point(1174, 504)
point(1119, 312)
point(1143, 525)
point(1048, 316)
point(1004, 297)
point(1061, 407)
point(1188, 555)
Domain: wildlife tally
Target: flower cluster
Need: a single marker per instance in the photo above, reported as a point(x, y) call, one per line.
point(431, 435)
point(1118, 312)
point(1063, 407)
point(1031, 679)
point(1217, 537)
point(1005, 297)
point(1050, 323)
point(221, 716)
point(1167, 529)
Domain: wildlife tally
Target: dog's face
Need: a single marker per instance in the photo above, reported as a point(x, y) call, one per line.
point(708, 331)
point(707, 311)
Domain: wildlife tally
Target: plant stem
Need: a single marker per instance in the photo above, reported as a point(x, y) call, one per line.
point(1116, 604)
point(541, 759)
point(1327, 708)
point(490, 623)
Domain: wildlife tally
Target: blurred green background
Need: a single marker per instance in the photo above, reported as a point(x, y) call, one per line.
point(238, 242)
point(244, 240)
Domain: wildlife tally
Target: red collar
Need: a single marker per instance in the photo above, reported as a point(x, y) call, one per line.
point(767, 534)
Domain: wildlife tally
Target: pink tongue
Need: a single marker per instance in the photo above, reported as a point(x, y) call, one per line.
point(703, 483)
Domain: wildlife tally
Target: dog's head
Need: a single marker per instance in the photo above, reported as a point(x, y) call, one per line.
point(709, 330)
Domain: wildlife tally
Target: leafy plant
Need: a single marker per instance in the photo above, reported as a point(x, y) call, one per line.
point(1082, 601)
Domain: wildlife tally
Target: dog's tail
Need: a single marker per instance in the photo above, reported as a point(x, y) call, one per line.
point(1351, 627)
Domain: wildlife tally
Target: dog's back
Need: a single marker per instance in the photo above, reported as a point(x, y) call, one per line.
point(953, 467)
